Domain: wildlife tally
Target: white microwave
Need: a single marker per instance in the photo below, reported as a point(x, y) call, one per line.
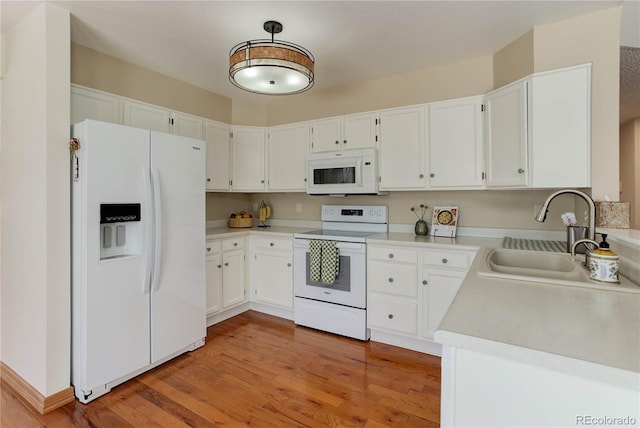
point(346, 172)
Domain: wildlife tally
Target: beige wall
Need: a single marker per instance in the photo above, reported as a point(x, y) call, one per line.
point(221, 205)
point(594, 38)
point(473, 77)
point(630, 169)
point(514, 61)
point(495, 209)
point(36, 300)
point(99, 71)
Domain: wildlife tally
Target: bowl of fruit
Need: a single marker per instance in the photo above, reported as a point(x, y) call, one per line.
point(241, 219)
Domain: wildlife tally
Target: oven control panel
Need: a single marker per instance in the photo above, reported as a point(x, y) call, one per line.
point(355, 213)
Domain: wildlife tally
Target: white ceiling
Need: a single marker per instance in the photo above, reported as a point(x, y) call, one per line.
point(351, 40)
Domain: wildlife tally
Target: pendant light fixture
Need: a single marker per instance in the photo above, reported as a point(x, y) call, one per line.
point(271, 67)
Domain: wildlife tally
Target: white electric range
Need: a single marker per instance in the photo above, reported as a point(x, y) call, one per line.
point(341, 306)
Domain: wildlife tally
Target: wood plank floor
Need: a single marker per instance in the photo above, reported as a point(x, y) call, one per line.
point(262, 371)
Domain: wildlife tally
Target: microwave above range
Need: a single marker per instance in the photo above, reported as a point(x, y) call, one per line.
point(345, 172)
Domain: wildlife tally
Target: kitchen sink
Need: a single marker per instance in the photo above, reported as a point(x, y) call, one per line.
point(543, 267)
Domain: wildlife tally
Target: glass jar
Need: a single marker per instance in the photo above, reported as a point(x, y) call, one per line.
point(421, 227)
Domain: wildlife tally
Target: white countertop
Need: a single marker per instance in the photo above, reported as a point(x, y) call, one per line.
point(583, 325)
point(225, 232)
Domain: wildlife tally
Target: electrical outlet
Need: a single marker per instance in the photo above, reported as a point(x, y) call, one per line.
point(298, 208)
point(255, 207)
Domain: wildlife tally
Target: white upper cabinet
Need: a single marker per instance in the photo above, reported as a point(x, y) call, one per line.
point(96, 105)
point(287, 149)
point(248, 158)
point(506, 136)
point(355, 131)
point(559, 128)
point(147, 116)
point(402, 149)
point(455, 143)
point(186, 125)
point(218, 155)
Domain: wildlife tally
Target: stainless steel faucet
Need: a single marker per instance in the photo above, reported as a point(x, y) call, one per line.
point(542, 214)
point(584, 241)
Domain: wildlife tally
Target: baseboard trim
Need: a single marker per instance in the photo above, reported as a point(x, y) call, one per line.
point(31, 396)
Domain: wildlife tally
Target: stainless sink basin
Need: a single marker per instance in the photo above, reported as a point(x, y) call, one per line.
point(542, 267)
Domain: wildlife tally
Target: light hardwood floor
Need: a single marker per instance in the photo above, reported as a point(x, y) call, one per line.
point(262, 371)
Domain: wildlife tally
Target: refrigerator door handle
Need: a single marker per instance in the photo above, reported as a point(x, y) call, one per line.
point(157, 199)
point(148, 232)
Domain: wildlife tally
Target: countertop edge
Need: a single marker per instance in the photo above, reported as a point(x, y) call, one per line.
point(567, 365)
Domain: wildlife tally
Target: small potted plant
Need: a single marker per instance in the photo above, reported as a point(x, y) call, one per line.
point(421, 226)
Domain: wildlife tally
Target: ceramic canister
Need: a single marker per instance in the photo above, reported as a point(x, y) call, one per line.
point(603, 265)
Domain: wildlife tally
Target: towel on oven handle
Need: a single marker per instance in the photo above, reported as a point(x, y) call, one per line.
point(324, 261)
point(330, 262)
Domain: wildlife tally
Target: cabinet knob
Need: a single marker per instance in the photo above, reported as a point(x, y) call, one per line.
point(219, 266)
point(226, 264)
point(344, 141)
point(444, 261)
point(208, 248)
point(235, 244)
point(337, 142)
point(271, 244)
point(390, 316)
point(432, 175)
point(390, 279)
point(424, 282)
point(390, 255)
point(208, 180)
point(262, 181)
point(288, 264)
point(520, 171)
point(421, 176)
point(305, 180)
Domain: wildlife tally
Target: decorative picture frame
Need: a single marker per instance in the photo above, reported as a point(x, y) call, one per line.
point(445, 221)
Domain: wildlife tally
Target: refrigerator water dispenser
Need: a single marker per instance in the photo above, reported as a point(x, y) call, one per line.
point(120, 230)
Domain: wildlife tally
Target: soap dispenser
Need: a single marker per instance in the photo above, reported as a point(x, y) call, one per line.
point(604, 263)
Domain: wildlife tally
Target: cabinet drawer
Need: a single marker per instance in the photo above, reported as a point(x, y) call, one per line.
point(401, 255)
point(213, 247)
point(391, 314)
point(274, 243)
point(232, 244)
point(393, 278)
point(447, 259)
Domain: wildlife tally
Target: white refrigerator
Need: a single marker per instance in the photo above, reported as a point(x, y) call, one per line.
point(138, 252)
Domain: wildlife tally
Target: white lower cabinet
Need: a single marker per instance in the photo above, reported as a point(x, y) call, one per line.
point(410, 290)
point(225, 270)
point(214, 276)
point(272, 271)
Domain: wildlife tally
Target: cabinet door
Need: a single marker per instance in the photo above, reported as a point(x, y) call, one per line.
point(233, 281)
point(402, 149)
point(359, 131)
point(455, 143)
point(88, 104)
point(186, 125)
point(287, 150)
point(214, 282)
point(273, 277)
point(248, 158)
point(145, 116)
point(506, 136)
point(326, 134)
point(559, 128)
point(440, 288)
point(218, 155)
